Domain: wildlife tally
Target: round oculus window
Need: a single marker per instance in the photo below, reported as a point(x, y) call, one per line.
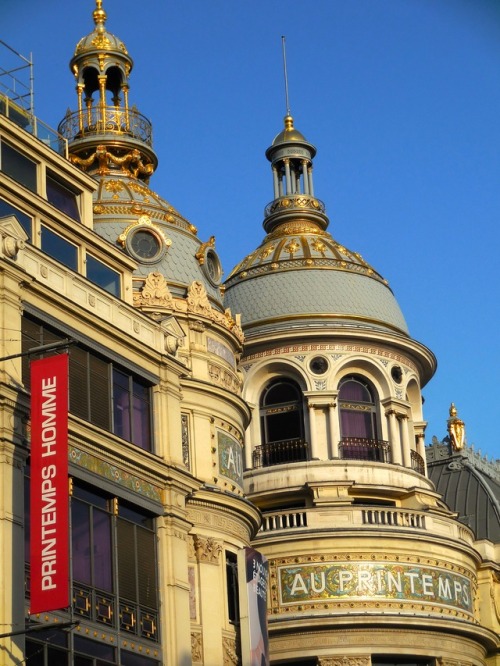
point(397, 374)
point(318, 365)
point(212, 267)
point(146, 245)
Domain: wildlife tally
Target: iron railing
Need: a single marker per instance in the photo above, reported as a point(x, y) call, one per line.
point(360, 448)
point(97, 120)
point(280, 453)
point(417, 462)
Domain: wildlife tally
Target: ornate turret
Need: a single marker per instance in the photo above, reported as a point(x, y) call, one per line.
point(300, 273)
point(291, 159)
point(106, 134)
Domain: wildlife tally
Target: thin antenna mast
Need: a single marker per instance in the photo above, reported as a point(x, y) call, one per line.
point(283, 40)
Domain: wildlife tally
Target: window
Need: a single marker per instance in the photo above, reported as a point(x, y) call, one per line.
point(18, 166)
point(282, 424)
point(6, 209)
point(103, 275)
point(358, 421)
point(233, 607)
point(120, 592)
point(100, 391)
point(50, 648)
point(114, 565)
point(62, 196)
point(59, 248)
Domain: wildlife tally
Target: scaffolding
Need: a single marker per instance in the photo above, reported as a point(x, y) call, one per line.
point(16, 77)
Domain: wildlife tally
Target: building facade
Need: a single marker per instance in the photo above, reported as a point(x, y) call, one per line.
point(281, 411)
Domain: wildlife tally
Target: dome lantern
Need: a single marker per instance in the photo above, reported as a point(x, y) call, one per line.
point(106, 133)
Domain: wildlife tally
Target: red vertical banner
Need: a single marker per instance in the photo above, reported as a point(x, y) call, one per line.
point(49, 484)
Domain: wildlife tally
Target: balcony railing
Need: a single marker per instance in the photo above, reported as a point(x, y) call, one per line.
point(280, 453)
point(417, 462)
point(360, 448)
point(98, 120)
point(33, 125)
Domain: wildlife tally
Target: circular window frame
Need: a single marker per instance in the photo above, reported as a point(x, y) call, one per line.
point(160, 241)
point(321, 360)
point(211, 257)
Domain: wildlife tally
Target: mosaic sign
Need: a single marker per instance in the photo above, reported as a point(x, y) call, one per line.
point(230, 458)
point(374, 581)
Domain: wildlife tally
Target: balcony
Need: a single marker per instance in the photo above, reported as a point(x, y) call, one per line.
point(417, 462)
point(280, 453)
point(98, 120)
point(360, 448)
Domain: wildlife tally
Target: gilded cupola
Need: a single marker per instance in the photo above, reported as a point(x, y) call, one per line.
point(106, 133)
point(112, 141)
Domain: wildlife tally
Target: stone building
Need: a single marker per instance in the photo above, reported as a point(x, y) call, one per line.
point(281, 411)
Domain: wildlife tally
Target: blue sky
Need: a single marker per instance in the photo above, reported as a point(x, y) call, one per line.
point(401, 99)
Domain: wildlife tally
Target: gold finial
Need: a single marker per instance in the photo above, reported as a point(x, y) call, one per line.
point(456, 429)
point(288, 122)
point(99, 16)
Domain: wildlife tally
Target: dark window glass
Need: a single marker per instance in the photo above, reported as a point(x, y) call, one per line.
point(61, 196)
point(59, 248)
point(131, 659)
point(81, 542)
point(136, 564)
point(281, 411)
point(94, 649)
point(131, 409)
point(18, 167)
point(233, 608)
point(99, 392)
point(103, 276)
point(24, 220)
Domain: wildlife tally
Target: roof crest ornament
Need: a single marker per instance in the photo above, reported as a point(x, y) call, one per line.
point(99, 16)
point(456, 429)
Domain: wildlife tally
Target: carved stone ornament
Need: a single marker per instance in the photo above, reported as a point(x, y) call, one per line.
point(197, 299)
point(207, 550)
point(156, 292)
point(12, 237)
point(352, 660)
point(230, 651)
point(196, 647)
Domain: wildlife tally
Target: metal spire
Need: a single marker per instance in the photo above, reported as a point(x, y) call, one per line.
point(286, 76)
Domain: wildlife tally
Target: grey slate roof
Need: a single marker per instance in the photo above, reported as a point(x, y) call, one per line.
point(469, 484)
point(312, 292)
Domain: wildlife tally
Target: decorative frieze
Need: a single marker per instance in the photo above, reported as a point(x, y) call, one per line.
point(197, 647)
point(351, 660)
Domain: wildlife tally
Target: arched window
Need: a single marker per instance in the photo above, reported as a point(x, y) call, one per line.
point(358, 421)
point(282, 424)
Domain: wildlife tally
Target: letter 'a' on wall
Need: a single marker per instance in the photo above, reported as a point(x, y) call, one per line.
point(49, 484)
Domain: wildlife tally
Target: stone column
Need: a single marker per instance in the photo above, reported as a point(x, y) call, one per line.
point(394, 438)
point(312, 432)
point(405, 440)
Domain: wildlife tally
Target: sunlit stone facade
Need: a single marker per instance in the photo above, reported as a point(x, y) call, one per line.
point(285, 414)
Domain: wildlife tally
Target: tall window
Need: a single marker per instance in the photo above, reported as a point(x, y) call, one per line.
point(233, 607)
point(115, 584)
point(282, 424)
point(358, 421)
point(358, 416)
point(100, 391)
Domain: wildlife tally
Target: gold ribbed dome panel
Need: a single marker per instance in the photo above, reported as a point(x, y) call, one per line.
point(300, 245)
